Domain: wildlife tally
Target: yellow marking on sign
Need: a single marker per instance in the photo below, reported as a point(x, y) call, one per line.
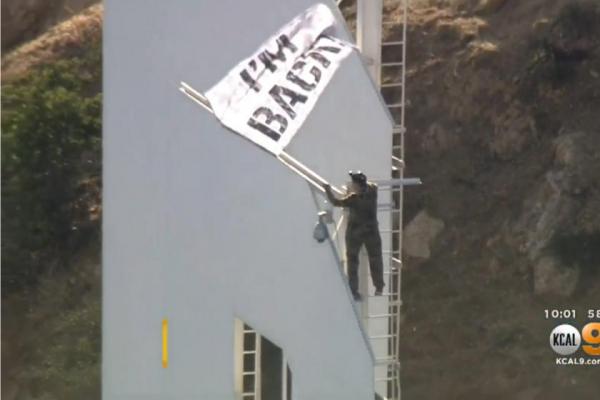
point(165, 343)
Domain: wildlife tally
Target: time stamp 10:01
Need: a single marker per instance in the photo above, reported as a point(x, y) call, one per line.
point(570, 314)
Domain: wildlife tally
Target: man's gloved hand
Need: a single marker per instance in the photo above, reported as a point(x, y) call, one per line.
point(327, 187)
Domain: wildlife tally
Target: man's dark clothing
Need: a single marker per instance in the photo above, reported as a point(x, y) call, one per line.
point(362, 228)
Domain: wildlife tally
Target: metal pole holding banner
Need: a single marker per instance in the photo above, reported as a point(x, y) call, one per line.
point(292, 163)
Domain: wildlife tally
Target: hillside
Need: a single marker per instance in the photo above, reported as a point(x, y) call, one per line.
point(503, 128)
point(51, 186)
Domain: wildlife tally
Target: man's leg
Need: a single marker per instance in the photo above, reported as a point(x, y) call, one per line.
point(373, 245)
point(353, 244)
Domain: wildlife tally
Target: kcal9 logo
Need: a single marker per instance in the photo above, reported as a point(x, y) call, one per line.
point(565, 339)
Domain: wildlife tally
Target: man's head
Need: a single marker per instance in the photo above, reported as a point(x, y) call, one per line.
point(359, 180)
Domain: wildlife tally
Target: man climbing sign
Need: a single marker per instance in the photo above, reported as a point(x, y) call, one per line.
point(362, 228)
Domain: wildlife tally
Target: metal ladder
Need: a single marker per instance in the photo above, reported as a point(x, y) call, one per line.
point(381, 314)
point(249, 363)
point(248, 378)
point(392, 86)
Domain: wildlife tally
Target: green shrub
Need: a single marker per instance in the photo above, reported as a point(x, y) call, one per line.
point(62, 362)
point(51, 133)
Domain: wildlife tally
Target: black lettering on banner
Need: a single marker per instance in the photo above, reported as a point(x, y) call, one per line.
point(319, 57)
point(330, 49)
point(277, 92)
point(327, 38)
point(267, 58)
point(316, 52)
point(270, 117)
point(251, 82)
point(299, 65)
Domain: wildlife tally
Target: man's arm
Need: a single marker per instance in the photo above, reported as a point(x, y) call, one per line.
point(345, 201)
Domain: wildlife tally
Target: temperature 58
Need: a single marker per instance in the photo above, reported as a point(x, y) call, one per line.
point(593, 314)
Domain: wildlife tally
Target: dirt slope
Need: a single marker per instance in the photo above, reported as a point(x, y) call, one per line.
point(24, 20)
point(504, 129)
point(66, 40)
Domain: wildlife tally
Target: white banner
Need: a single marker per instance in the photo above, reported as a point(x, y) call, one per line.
point(267, 97)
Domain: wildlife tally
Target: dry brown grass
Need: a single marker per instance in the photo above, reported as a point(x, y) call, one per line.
point(65, 40)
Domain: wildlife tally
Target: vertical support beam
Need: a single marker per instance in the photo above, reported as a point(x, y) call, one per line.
point(401, 213)
point(284, 376)
point(257, 367)
point(368, 34)
point(238, 357)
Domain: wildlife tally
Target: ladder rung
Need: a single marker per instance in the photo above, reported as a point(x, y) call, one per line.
point(384, 361)
point(249, 352)
point(386, 294)
point(395, 105)
point(249, 373)
point(395, 303)
point(390, 231)
point(391, 22)
point(381, 316)
point(249, 331)
point(392, 64)
point(390, 303)
point(390, 272)
point(381, 336)
point(392, 84)
point(248, 394)
point(388, 379)
point(393, 43)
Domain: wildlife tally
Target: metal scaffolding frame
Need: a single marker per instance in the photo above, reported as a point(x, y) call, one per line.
point(390, 76)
